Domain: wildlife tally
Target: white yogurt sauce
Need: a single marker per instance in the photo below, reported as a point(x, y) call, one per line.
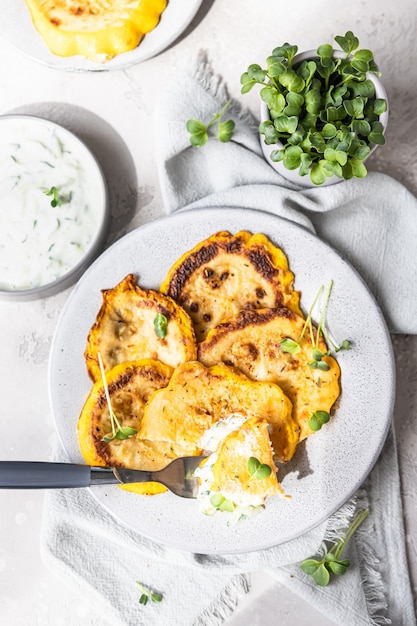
point(40, 243)
point(213, 436)
point(246, 505)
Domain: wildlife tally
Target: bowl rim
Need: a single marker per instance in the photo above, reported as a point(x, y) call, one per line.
point(71, 276)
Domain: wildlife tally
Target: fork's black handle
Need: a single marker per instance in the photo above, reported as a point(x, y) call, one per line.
point(44, 475)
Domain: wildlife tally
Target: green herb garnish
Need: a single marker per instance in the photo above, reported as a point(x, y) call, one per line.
point(57, 199)
point(345, 345)
point(221, 503)
point(160, 325)
point(317, 419)
point(148, 594)
point(118, 431)
point(258, 470)
point(324, 111)
point(331, 563)
point(293, 346)
point(199, 132)
point(289, 345)
point(317, 362)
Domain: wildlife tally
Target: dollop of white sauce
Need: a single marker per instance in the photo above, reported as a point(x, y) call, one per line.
point(213, 436)
point(38, 242)
point(246, 505)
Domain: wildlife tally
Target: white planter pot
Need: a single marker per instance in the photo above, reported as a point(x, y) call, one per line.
point(293, 175)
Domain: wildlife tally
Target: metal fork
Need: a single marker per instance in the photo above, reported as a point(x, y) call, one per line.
point(178, 476)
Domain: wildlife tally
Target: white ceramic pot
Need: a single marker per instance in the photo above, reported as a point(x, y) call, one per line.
point(293, 175)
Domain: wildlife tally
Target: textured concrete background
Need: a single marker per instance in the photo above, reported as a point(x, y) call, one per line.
point(112, 112)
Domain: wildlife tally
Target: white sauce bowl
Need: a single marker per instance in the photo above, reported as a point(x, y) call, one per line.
point(43, 248)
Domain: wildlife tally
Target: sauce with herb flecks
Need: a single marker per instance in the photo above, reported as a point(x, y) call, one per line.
point(40, 164)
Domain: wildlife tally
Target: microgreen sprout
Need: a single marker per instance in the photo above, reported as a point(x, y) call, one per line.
point(160, 325)
point(294, 346)
point(324, 111)
point(199, 132)
point(345, 345)
point(148, 594)
point(331, 563)
point(258, 470)
point(221, 503)
point(317, 419)
point(57, 199)
point(317, 362)
point(118, 431)
point(290, 345)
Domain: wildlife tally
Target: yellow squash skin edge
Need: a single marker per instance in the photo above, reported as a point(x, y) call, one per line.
point(92, 30)
point(280, 260)
point(86, 441)
point(144, 489)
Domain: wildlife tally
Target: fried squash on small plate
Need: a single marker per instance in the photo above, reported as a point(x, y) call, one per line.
point(197, 397)
point(250, 341)
point(227, 273)
point(124, 329)
point(94, 29)
point(230, 470)
point(130, 386)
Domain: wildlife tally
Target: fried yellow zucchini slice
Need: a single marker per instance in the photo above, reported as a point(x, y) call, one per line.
point(124, 329)
point(130, 386)
point(250, 341)
point(197, 397)
point(231, 477)
point(95, 29)
point(227, 273)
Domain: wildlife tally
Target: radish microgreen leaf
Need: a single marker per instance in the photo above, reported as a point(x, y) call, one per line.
point(148, 594)
point(57, 199)
point(117, 430)
point(317, 419)
point(221, 503)
point(289, 345)
point(199, 132)
point(160, 325)
point(323, 111)
point(293, 346)
point(331, 563)
point(258, 470)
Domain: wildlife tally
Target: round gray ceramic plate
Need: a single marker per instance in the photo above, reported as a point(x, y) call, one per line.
point(16, 27)
point(328, 467)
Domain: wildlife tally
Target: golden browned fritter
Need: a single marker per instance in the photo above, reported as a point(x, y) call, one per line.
point(250, 341)
point(197, 397)
point(225, 274)
point(124, 329)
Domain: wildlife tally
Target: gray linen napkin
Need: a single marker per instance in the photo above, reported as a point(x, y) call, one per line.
point(374, 224)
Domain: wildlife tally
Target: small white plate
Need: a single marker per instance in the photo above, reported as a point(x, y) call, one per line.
point(16, 27)
point(327, 469)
